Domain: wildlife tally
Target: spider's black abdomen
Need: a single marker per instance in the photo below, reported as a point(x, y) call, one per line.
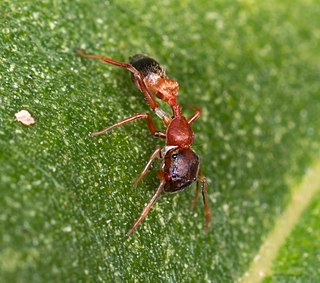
point(146, 65)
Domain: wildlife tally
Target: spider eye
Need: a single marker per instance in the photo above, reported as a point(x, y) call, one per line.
point(174, 156)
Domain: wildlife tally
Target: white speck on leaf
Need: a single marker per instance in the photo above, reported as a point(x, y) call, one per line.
point(25, 118)
point(67, 229)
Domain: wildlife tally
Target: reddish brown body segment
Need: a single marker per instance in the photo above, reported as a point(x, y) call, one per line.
point(181, 169)
point(179, 132)
point(180, 165)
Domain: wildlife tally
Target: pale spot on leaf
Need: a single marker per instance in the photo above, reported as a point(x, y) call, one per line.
point(24, 117)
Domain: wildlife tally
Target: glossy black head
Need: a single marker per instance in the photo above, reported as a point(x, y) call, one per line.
point(146, 65)
point(180, 169)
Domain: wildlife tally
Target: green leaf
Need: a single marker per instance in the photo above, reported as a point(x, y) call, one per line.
point(292, 239)
point(298, 259)
point(67, 199)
